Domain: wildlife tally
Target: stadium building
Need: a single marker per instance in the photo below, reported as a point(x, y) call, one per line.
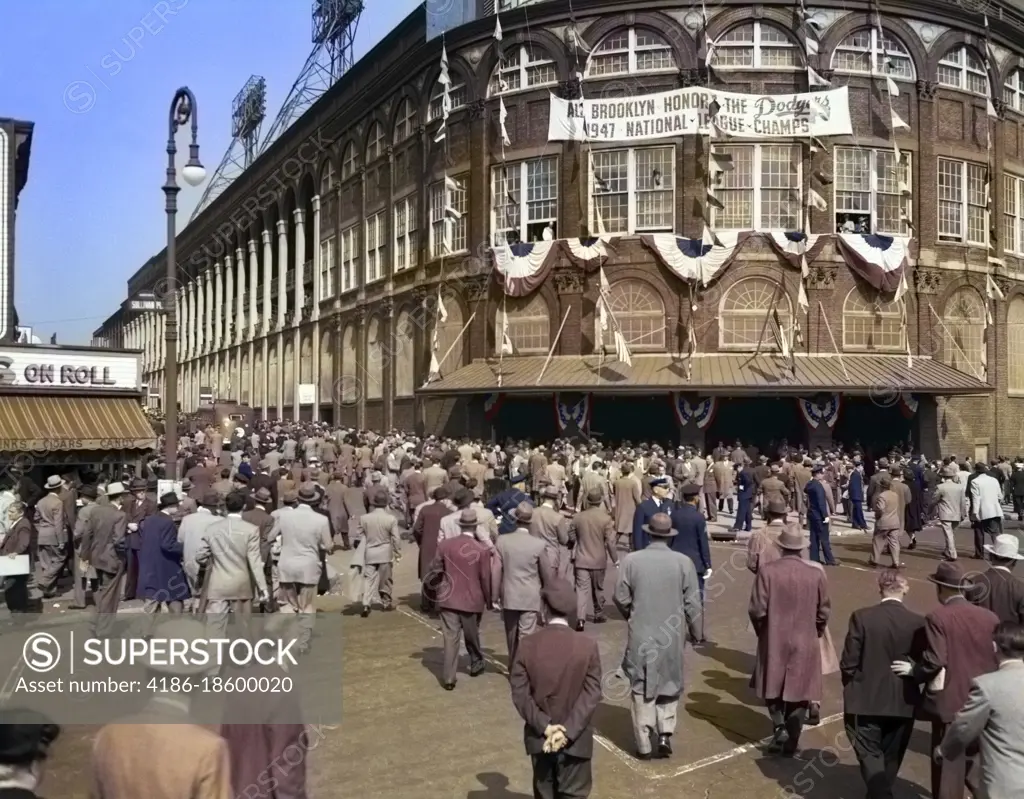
point(561, 228)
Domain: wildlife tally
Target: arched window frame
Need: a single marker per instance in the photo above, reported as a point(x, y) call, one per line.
point(760, 49)
point(403, 356)
point(1013, 90)
point(967, 356)
point(405, 122)
point(530, 332)
point(854, 49)
point(457, 94)
point(327, 179)
point(375, 143)
point(631, 51)
point(450, 335)
point(349, 368)
point(753, 317)
point(872, 326)
point(1015, 346)
point(349, 161)
point(521, 69)
point(963, 69)
point(633, 323)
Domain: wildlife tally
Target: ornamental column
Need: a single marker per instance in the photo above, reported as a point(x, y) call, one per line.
point(299, 307)
point(190, 311)
point(218, 304)
point(240, 267)
point(208, 316)
point(254, 267)
point(317, 267)
point(268, 266)
point(228, 317)
point(282, 305)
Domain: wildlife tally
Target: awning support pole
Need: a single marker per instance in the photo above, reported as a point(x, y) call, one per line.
point(828, 327)
point(554, 344)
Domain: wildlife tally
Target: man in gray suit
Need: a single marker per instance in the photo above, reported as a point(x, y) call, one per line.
point(103, 546)
point(994, 716)
point(230, 551)
point(552, 528)
point(303, 534)
point(949, 504)
point(378, 530)
point(594, 535)
point(520, 569)
point(190, 535)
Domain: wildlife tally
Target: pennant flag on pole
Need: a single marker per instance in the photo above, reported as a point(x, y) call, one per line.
point(497, 28)
point(992, 289)
point(442, 312)
point(622, 349)
point(506, 339)
point(502, 116)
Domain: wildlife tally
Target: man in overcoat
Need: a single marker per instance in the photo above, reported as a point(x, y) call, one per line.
point(625, 498)
point(103, 548)
point(692, 540)
point(789, 610)
point(162, 581)
point(654, 583)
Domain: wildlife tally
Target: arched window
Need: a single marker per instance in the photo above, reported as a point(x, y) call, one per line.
point(327, 179)
point(375, 350)
point(449, 336)
point(963, 338)
point(630, 51)
point(755, 45)
point(375, 143)
point(639, 313)
point(244, 392)
point(403, 354)
point(272, 375)
point(306, 360)
point(405, 123)
point(258, 400)
point(1015, 345)
point(456, 94)
point(962, 68)
point(529, 325)
point(744, 310)
point(866, 53)
point(524, 67)
point(349, 161)
point(350, 385)
point(872, 324)
point(326, 367)
point(289, 373)
point(1013, 90)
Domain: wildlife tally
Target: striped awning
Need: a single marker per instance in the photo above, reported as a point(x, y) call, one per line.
point(35, 424)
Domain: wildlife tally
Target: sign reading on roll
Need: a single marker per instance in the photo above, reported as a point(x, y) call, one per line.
point(685, 112)
point(64, 368)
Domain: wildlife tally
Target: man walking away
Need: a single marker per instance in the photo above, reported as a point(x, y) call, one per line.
point(818, 518)
point(17, 541)
point(519, 570)
point(692, 540)
point(986, 507)
point(998, 588)
point(887, 523)
point(878, 705)
point(994, 717)
point(592, 535)
point(556, 687)
point(949, 505)
point(51, 525)
point(103, 548)
point(1016, 484)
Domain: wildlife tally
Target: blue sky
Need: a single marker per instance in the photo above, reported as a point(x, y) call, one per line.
point(97, 78)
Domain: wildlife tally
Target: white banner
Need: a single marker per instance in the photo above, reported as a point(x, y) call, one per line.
point(684, 112)
point(307, 393)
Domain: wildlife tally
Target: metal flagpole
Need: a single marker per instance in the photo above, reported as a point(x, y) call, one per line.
point(554, 344)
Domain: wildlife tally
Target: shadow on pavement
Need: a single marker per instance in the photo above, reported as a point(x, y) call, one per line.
point(739, 724)
point(495, 787)
point(818, 774)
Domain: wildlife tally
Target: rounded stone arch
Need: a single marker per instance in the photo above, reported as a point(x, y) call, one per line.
point(950, 40)
point(369, 127)
point(407, 93)
point(529, 322)
point(403, 351)
point(554, 47)
point(640, 312)
point(460, 71)
point(326, 376)
point(962, 333)
point(684, 49)
point(780, 18)
point(349, 378)
point(307, 187)
point(373, 384)
point(743, 308)
point(852, 23)
point(350, 157)
point(872, 323)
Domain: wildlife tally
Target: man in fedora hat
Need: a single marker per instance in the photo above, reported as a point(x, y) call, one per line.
point(16, 541)
point(556, 687)
point(138, 505)
point(463, 566)
point(520, 568)
point(998, 588)
point(191, 532)
point(126, 761)
point(692, 541)
point(52, 533)
point(103, 548)
point(258, 514)
point(949, 505)
point(88, 497)
point(789, 610)
point(593, 541)
point(162, 581)
point(957, 649)
point(654, 584)
point(549, 525)
point(382, 544)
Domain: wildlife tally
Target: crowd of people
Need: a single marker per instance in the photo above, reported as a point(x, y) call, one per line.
point(531, 530)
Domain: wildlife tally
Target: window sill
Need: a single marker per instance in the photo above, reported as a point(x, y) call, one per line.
point(941, 243)
point(1015, 393)
point(617, 75)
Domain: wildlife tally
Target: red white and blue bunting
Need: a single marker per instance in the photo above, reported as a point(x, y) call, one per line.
point(816, 414)
point(694, 260)
point(908, 405)
point(521, 268)
point(879, 260)
point(587, 251)
point(702, 412)
point(568, 416)
point(492, 405)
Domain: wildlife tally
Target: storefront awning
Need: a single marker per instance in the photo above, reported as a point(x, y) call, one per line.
point(718, 374)
point(37, 424)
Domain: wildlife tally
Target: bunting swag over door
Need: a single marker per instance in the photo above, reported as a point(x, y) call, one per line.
point(685, 112)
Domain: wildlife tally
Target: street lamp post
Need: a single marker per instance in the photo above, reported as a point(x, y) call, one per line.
point(183, 110)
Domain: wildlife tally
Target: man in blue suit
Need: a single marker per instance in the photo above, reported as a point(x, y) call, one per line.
point(855, 496)
point(502, 505)
point(658, 503)
point(162, 582)
point(692, 541)
point(818, 517)
point(744, 499)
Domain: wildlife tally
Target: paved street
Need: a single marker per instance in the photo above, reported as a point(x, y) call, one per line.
point(404, 736)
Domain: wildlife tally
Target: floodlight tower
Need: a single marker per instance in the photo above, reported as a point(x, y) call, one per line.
point(248, 110)
point(334, 33)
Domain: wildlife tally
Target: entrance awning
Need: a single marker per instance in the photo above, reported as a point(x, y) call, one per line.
point(717, 374)
point(37, 424)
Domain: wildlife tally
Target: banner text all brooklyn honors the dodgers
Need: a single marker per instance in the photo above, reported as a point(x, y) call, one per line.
point(684, 112)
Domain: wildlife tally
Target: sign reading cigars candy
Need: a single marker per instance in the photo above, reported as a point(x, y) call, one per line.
point(684, 112)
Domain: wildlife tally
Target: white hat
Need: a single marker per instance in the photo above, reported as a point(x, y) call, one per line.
point(53, 481)
point(1007, 546)
point(115, 489)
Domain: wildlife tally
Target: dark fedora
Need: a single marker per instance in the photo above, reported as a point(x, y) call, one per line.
point(210, 499)
point(560, 597)
point(25, 736)
point(523, 513)
point(138, 484)
point(379, 498)
point(169, 500)
point(89, 492)
point(307, 494)
point(262, 495)
point(660, 526)
point(595, 496)
point(950, 574)
point(690, 490)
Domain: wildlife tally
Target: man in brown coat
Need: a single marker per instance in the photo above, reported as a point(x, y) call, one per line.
point(259, 516)
point(725, 474)
point(625, 498)
point(426, 532)
point(593, 535)
point(103, 547)
point(775, 496)
point(888, 522)
point(556, 687)
point(336, 510)
point(414, 489)
point(789, 609)
point(475, 469)
point(552, 527)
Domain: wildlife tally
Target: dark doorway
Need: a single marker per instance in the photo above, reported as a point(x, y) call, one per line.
point(871, 425)
point(649, 419)
point(761, 422)
point(529, 418)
